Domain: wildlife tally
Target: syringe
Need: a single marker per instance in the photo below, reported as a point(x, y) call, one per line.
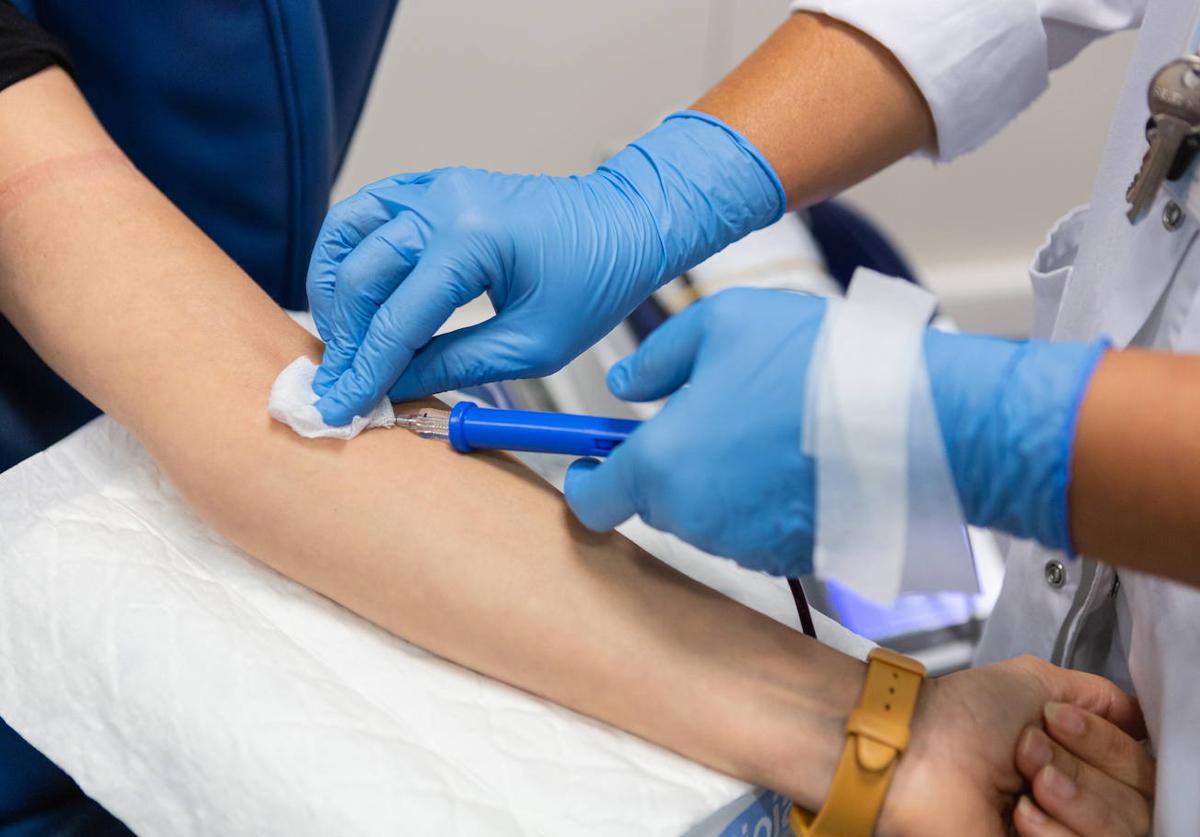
point(470, 427)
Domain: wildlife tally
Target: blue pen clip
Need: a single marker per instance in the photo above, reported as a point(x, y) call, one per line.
point(470, 427)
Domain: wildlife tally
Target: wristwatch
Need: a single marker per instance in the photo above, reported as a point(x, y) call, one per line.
point(876, 734)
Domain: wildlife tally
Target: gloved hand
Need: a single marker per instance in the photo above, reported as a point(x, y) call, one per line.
point(563, 259)
point(722, 465)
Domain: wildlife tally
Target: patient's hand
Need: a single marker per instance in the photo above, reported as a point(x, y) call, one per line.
point(1087, 776)
point(963, 772)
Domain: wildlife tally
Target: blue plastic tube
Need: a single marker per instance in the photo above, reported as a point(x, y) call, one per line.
point(473, 427)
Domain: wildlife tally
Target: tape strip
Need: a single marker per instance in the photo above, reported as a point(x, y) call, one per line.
point(884, 491)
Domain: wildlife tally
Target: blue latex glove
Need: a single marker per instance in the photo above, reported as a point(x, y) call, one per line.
point(563, 259)
point(722, 465)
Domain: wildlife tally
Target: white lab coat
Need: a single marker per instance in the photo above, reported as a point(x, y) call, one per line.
point(979, 62)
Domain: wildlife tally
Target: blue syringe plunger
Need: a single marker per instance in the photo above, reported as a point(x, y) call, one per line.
point(470, 427)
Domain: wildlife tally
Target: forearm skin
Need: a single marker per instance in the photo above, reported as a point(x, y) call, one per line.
point(825, 104)
point(471, 557)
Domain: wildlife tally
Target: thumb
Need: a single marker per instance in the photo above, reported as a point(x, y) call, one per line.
point(479, 354)
point(663, 363)
point(596, 492)
point(1102, 697)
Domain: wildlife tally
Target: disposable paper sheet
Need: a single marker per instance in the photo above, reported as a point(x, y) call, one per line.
point(193, 691)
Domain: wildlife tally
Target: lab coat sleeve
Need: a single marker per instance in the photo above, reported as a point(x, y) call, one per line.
point(979, 63)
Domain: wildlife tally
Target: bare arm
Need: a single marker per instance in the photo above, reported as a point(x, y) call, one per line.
point(1135, 489)
point(123, 296)
point(826, 104)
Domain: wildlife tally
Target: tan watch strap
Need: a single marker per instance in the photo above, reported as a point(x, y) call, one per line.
point(876, 735)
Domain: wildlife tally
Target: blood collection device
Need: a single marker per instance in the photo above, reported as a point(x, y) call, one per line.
point(470, 427)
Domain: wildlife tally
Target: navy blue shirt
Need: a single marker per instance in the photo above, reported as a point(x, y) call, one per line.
point(239, 112)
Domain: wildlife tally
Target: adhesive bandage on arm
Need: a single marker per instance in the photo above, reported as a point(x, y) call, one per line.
point(888, 516)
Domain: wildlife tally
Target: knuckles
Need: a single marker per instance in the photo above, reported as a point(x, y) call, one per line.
point(342, 215)
point(473, 204)
point(735, 308)
point(473, 221)
point(352, 277)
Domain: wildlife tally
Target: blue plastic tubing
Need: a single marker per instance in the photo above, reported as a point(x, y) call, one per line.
point(473, 427)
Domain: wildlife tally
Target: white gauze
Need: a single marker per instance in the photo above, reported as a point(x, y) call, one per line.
point(292, 402)
point(888, 516)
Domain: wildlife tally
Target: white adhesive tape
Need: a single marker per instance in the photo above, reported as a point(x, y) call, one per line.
point(888, 516)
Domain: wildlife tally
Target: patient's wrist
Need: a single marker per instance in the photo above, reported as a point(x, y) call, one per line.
point(804, 724)
point(906, 807)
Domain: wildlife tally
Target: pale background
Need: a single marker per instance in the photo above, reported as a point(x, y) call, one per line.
point(555, 86)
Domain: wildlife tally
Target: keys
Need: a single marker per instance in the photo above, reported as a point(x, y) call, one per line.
point(1174, 126)
point(1183, 160)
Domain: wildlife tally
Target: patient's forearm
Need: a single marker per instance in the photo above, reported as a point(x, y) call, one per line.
point(470, 557)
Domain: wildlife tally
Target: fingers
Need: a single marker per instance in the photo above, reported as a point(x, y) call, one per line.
point(663, 363)
point(599, 493)
point(1098, 696)
point(404, 323)
point(1076, 794)
point(366, 278)
point(1031, 821)
point(347, 224)
point(1102, 745)
point(482, 353)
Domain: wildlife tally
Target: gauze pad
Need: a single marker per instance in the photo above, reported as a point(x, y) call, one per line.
point(292, 402)
point(888, 515)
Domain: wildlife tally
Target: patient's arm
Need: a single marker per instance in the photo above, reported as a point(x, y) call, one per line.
point(470, 557)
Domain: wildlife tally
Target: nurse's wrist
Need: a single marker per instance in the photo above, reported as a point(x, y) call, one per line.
point(701, 184)
point(1008, 411)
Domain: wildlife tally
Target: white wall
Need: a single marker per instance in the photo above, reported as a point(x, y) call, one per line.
point(540, 85)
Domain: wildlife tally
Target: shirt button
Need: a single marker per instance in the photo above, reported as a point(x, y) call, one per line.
point(1056, 574)
point(1172, 216)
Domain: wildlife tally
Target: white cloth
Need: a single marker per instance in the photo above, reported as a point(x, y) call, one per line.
point(194, 691)
point(292, 400)
point(979, 63)
point(1097, 275)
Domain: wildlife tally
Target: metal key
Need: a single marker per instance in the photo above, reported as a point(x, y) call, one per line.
point(1175, 116)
